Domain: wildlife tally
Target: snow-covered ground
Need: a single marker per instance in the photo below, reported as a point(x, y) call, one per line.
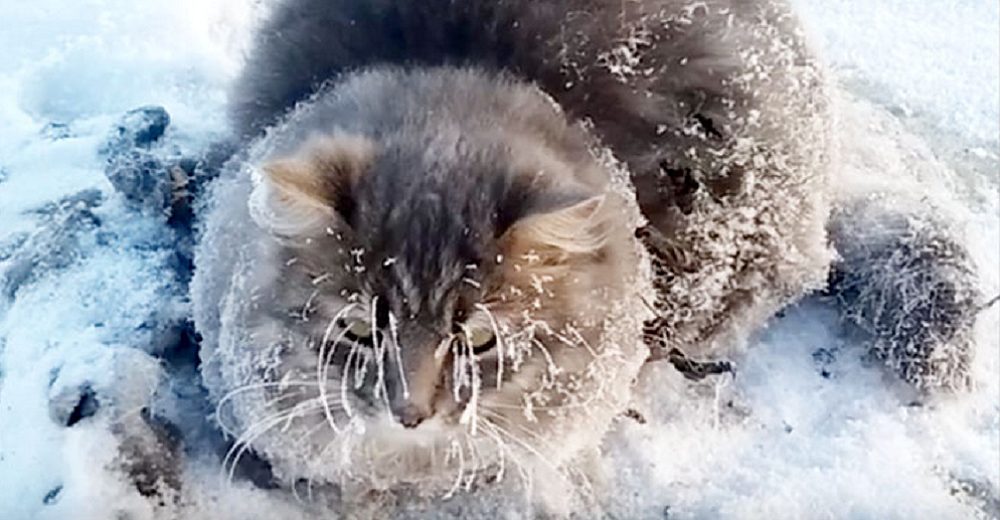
point(89, 292)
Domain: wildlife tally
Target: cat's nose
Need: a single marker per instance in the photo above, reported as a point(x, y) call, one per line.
point(410, 415)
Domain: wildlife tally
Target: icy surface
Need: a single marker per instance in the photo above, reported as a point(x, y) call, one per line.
point(804, 430)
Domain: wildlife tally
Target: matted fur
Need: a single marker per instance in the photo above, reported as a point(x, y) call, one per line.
point(466, 215)
point(430, 168)
point(716, 107)
point(904, 279)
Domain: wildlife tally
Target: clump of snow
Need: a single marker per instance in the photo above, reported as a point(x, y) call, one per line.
point(91, 289)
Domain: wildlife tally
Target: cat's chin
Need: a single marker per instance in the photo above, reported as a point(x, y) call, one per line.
point(377, 452)
point(383, 430)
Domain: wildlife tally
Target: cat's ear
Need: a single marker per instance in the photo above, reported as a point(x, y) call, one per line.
point(311, 190)
point(559, 227)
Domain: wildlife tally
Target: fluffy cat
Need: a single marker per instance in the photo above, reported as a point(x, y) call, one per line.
point(423, 273)
point(431, 286)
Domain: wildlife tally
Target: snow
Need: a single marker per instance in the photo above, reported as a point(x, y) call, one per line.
point(934, 59)
point(804, 430)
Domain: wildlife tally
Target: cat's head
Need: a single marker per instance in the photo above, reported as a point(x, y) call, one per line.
point(441, 299)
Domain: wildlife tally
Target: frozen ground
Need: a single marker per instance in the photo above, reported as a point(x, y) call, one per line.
point(805, 430)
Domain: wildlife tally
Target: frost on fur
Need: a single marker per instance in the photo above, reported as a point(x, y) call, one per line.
point(907, 282)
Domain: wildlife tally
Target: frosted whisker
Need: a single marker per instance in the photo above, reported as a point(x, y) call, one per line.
point(252, 433)
point(345, 377)
point(470, 415)
point(232, 394)
point(308, 304)
point(456, 447)
point(569, 470)
point(499, 340)
point(324, 358)
point(379, 347)
point(324, 376)
point(491, 430)
point(394, 330)
point(553, 368)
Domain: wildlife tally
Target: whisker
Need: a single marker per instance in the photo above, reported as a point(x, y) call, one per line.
point(499, 340)
point(361, 367)
point(583, 341)
point(302, 438)
point(455, 445)
point(526, 479)
point(323, 378)
point(345, 377)
point(256, 386)
point(309, 482)
point(323, 360)
point(393, 328)
point(308, 305)
point(252, 433)
point(475, 463)
point(507, 435)
point(501, 449)
point(469, 414)
point(584, 481)
point(553, 367)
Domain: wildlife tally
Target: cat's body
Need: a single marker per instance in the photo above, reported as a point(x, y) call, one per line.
point(529, 227)
point(717, 108)
point(422, 272)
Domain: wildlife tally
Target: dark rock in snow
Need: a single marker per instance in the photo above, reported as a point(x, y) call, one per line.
point(55, 131)
point(74, 404)
point(52, 497)
point(151, 174)
point(824, 359)
point(142, 178)
point(977, 492)
point(11, 244)
point(151, 459)
point(57, 243)
point(192, 178)
point(135, 170)
point(140, 127)
point(86, 199)
point(86, 407)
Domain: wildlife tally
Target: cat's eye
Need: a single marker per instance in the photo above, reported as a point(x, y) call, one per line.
point(358, 330)
point(480, 339)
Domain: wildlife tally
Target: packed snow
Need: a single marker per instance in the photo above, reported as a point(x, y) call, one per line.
point(92, 285)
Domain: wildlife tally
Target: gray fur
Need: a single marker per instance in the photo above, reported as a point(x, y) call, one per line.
point(907, 283)
point(681, 87)
point(716, 107)
point(460, 157)
point(687, 94)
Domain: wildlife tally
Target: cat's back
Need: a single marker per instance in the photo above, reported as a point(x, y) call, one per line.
point(593, 56)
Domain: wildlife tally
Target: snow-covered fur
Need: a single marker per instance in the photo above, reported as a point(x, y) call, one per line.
point(905, 280)
point(716, 107)
point(466, 207)
point(388, 143)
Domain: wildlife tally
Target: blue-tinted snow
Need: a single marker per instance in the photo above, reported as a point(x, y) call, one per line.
point(805, 430)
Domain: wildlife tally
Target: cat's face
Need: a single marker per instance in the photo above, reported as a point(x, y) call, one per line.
point(439, 306)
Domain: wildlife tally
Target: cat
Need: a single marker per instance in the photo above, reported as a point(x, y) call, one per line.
point(686, 94)
point(421, 275)
point(425, 272)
